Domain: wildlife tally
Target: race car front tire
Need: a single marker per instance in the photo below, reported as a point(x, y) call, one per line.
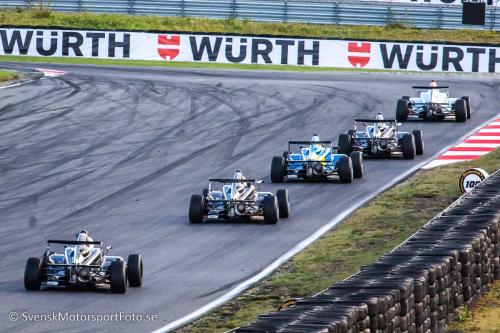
point(357, 164)
point(118, 278)
point(134, 270)
point(345, 169)
point(467, 105)
point(277, 169)
point(409, 150)
point(33, 274)
point(270, 209)
point(344, 144)
point(460, 111)
point(283, 203)
point(402, 110)
point(196, 205)
point(419, 142)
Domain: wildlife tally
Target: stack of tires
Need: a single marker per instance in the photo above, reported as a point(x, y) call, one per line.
point(419, 286)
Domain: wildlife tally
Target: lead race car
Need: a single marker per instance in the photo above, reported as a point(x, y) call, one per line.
point(381, 138)
point(316, 160)
point(83, 263)
point(239, 199)
point(429, 103)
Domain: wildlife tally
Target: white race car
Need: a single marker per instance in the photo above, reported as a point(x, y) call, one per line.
point(430, 103)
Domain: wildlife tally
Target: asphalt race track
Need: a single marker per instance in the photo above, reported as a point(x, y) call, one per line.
point(119, 151)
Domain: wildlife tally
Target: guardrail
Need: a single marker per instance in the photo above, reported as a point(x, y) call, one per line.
point(315, 11)
point(419, 286)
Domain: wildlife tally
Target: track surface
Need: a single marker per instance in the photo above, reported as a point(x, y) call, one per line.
point(119, 151)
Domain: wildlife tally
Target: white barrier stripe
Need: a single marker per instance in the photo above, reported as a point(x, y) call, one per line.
point(478, 145)
point(461, 153)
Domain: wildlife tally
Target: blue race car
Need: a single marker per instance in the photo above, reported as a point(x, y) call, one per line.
point(316, 160)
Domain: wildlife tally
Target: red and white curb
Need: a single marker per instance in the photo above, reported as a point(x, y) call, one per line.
point(478, 144)
point(50, 72)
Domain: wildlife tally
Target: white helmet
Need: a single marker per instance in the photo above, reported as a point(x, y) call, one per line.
point(315, 137)
point(433, 84)
point(379, 116)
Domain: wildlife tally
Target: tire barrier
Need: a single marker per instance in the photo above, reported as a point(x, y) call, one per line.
point(416, 288)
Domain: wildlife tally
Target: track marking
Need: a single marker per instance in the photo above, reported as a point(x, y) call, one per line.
point(481, 142)
point(50, 72)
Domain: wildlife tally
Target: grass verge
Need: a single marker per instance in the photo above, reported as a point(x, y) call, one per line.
point(483, 317)
point(7, 75)
point(371, 231)
point(42, 17)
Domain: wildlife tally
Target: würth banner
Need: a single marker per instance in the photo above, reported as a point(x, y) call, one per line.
point(250, 50)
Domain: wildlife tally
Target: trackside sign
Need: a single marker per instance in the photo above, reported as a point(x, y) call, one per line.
point(250, 50)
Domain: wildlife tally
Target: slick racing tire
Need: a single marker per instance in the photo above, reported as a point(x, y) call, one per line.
point(283, 203)
point(277, 169)
point(196, 206)
point(419, 142)
point(357, 164)
point(118, 278)
point(409, 146)
point(344, 144)
point(345, 169)
point(402, 110)
point(270, 209)
point(467, 105)
point(33, 274)
point(460, 111)
point(134, 270)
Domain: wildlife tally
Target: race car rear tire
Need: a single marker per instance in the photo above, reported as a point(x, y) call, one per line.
point(409, 150)
point(118, 278)
point(196, 207)
point(419, 142)
point(467, 105)
point(277, 169)
point(283, 203)
point(134, 270)
point(270, 209)
point(402, 110)
point(344, 144)
point(33, 274)
point(460, 111)
point(345, 169)
point(357, 164)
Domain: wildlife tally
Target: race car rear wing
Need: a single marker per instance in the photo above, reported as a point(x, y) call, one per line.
point(309, 142)
point(230, 180)
point(374, 121)
point(427, 87)
point(73, 242)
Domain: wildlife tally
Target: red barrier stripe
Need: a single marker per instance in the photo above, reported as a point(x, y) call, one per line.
point(353, 47)
point(470, 149)
point(491, 126)
point(458, 157)
point(172, 40)
point(487, 134)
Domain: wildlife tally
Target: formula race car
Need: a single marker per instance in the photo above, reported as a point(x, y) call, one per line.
point(84, 263)
point(381, 138)
point(238, 200)
point(317, 160)
point(432, 104)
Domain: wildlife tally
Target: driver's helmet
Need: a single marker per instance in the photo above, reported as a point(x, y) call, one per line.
point(84, 237)
point(315, 138)
point(238, 175)
point(379, 116)
point(433, 84)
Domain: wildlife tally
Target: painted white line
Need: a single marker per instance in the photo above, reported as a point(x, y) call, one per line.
point(494, 131)
point(12, 85)
point(477, 145)
point(462, 153)
point(302, 245)
point(484, 137)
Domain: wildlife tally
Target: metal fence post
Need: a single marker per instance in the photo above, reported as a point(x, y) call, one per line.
point(130, 6)
point(285, 12)
point(336, 17)
point(79, 5)
point(183, 8)
point(234, 9)
point(440, 17)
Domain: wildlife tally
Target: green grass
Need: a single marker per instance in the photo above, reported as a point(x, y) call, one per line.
point(371, 231)
point(46, 18)
point(179, 64)
point(483, 317)
point(7, 75)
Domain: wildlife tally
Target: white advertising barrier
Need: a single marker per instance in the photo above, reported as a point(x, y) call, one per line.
point(432, 2)
point(250, 50)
